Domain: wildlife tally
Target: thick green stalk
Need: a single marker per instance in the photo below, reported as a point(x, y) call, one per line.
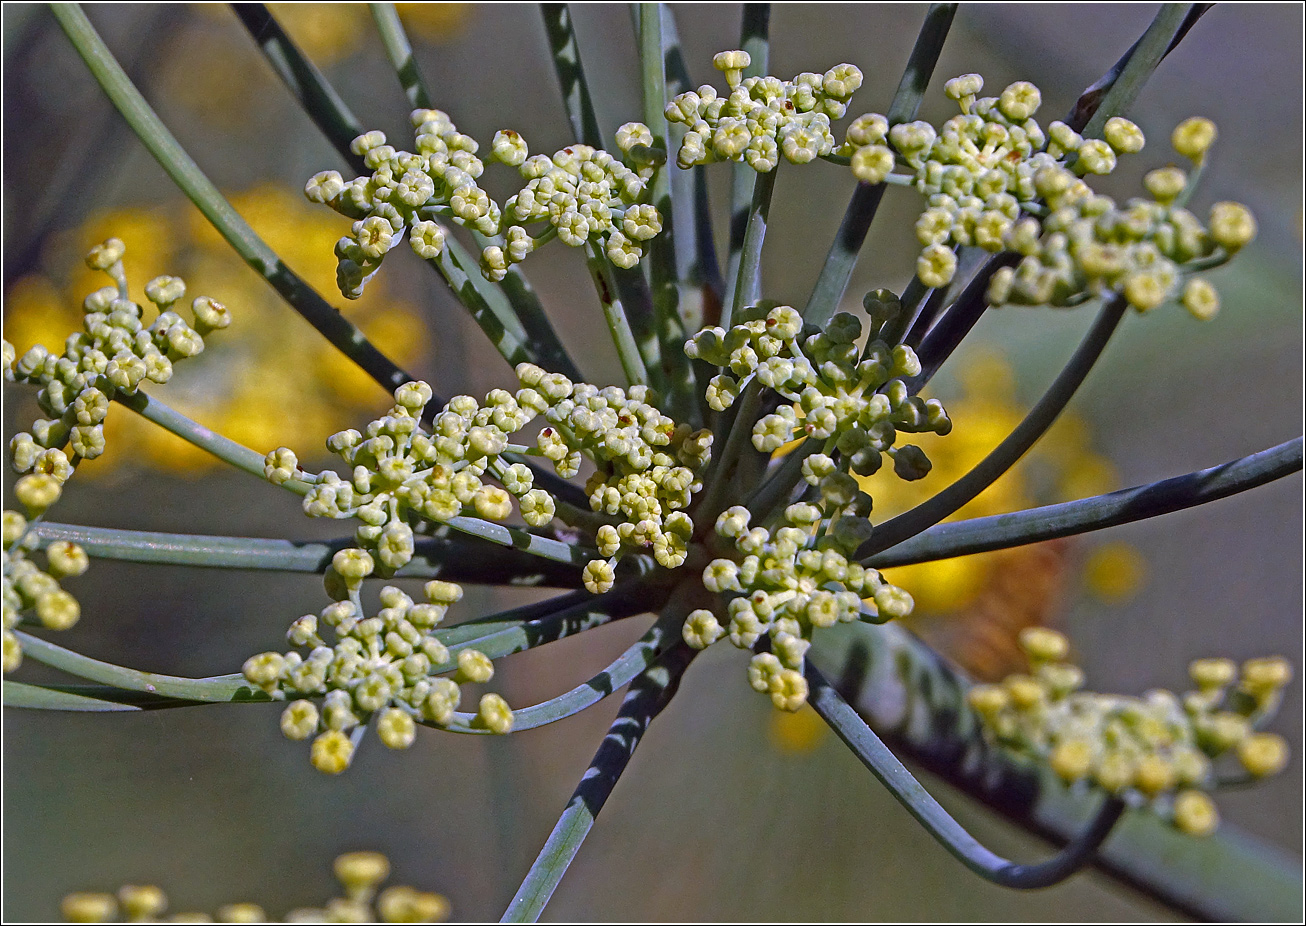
point(1122, 84)
point(338, 330)
point(224, 448)
point(648, 694)
point(1034, 525)
point(1005, 455)
point(400, 52)
point(902, 784)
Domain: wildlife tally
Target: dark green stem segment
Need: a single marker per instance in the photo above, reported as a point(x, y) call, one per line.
point(1005, 455)
point(301, 77)
point(1034, 525)
point(877, 757)
point(201, 191)
point(857, 218)
point(400, 52)
point(571, 74)
point(1113, 93)
point(648, 694)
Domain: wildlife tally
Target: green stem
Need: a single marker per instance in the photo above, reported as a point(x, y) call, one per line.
point(219, 688)
point(1118, 89)
point(301, 77)
point(748, 281)
point(571, 74)
point(740, 431)
point(902, 784)
point(648, 694)
point(338, 330)
point(1005, 455)
point(623, 338)
point(224, 448)
point(625, 667)
point(450, 558)
point(754, 38)
point(857, 218)
point(400, 52)
point(1034, 525)
point(677, 374)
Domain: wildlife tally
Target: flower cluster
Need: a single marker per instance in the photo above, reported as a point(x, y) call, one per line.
point(585, 194)
point(403, 473)
point(788, 582)
point(762, 118)
point(360, 873)
point(853, 400)
point(114, 353)
point(29, 588)
point(390, 664)
point(800, 576)
point(647, 467)
point(994, 179)
point(1156, 750)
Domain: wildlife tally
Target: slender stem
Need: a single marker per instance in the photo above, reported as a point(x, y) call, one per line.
point(509, 314)
point(224, 448)
point(1120, 86)
point(301, 77)
point(198, 188)
point(960, 317)
point(754, 38)
point(677, 374)
point(648, 694)
point(452, 558)
point(1034, 525)
point(625, 667)
point(623, 338)
point(400, 52)
point(776, 489)
point(748, 281)
point(739, 432)
point(857, 218)
point(219, 688)
point(1004, 456)
point(571, 74)
point(84, 698)
point(868, 747)
point(916, 702)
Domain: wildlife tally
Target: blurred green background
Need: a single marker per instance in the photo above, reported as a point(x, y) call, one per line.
point(722, 814)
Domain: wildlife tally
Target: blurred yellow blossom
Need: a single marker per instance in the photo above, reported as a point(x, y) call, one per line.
point(241, 387)
point(1114, 572)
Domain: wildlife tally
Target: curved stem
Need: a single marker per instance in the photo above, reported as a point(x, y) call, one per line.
point(338, 330)
point(997, 532)
point(868, 747)
point(625, 667)
point(1004, 456)
point(648, 694)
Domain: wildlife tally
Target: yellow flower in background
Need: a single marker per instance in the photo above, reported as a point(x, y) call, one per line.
point(330, 32)
point(240, 387)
